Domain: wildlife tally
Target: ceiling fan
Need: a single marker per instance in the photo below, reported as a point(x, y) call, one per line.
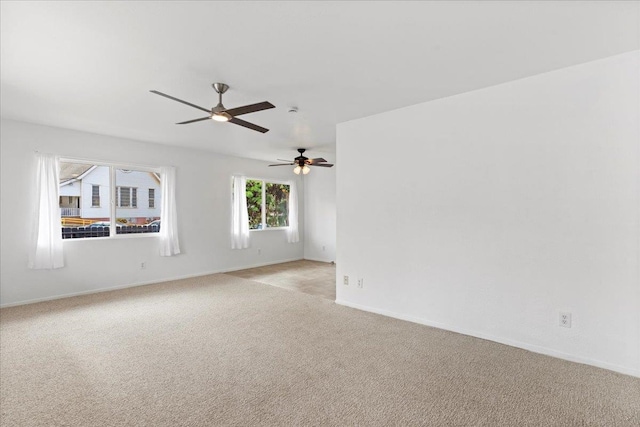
point(221, 114)
point(302, 163)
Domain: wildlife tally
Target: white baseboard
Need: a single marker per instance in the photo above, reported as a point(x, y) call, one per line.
point(144, 283)
point(328, 261)
point(513, 343)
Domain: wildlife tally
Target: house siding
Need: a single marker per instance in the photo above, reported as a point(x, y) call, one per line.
point(99, 176)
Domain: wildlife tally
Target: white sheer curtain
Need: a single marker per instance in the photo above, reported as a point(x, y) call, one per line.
point(46, 243)
point(169, 243)
point(292, 231)
point(239, 214)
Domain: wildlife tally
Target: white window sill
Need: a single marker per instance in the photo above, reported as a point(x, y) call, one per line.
point(270, 229)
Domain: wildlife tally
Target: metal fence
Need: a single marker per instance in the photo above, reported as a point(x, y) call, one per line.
point(84, 232)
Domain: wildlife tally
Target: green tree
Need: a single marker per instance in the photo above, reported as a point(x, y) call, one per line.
point(254, 203)
point(277, 205)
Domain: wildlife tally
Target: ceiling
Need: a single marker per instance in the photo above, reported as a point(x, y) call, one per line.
point(90, 65)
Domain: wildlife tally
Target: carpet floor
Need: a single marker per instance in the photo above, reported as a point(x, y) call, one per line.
point(311, 277)
point(221, 350)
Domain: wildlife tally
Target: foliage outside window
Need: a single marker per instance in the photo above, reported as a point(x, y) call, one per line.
point(277, 205)
point(254, 203)
point(83, 216)
point(267, 204)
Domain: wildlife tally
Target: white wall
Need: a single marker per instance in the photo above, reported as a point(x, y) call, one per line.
point(204, 209)
point(490, 212)
point(320, 214)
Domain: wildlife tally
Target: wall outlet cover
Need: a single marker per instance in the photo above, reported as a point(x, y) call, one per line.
point(565, 319)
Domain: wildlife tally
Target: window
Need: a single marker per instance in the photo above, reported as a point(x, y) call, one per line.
point(95, 196)
point(267, 204)
point(152, 198)
point(86, 183)
point(277, 205)
point(126, 197)
point(254, 203)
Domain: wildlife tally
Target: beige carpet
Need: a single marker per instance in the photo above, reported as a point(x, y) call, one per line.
point(311, 277)
point(220, 350)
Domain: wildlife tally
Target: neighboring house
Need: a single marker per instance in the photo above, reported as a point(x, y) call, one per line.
point(84, 193)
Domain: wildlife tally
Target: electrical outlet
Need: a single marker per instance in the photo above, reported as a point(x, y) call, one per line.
point(361, 283)
point(259, 251)
point(143, 265)
point(565, 320)
point(346, 280)
point(323, 249)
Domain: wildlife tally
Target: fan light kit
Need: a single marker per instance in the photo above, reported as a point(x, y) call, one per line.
point(219, 117)
point(302, 163)
point(221, 114)
point(305, 169)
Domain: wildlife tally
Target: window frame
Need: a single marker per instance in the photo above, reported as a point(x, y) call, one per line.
point(112, 194)
point(93, 197)
point(151, 198)
point(263, 207)
point(133, 196)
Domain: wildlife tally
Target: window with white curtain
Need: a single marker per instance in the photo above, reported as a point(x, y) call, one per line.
point(267, 204)
point(129, 211)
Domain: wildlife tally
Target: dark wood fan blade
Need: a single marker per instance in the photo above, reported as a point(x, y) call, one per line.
point(314, 161)
point(283, 160)
point(194, 120)
point(241, 122)
point(324, 165)
point(284, 164)
point(180, 100)
point(246, 109)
